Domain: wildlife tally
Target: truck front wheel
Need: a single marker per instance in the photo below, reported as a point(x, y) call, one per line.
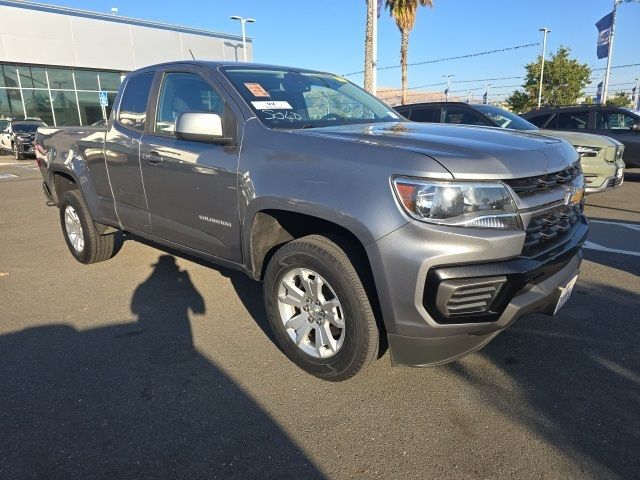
point(319, 310)
point(83, 240)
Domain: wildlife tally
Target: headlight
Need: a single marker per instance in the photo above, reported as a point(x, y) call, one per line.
point(619, 152)
point(587, 151)
point(477, 205)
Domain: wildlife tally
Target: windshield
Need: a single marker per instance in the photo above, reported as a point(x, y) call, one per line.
point(505, 119)
point(292, 99)
point(25, 127)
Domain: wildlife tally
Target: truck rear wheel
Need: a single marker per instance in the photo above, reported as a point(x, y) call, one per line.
point(83, 240)
point(319, 310)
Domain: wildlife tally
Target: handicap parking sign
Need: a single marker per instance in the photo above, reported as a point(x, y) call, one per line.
point(104, 100)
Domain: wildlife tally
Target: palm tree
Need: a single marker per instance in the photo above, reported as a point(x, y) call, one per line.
point(404, 13)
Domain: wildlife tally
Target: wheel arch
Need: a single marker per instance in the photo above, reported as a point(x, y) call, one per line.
point(272, 228)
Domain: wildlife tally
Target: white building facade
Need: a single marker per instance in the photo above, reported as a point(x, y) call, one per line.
point(55, 61)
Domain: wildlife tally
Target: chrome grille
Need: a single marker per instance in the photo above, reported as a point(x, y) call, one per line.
point(529, 185)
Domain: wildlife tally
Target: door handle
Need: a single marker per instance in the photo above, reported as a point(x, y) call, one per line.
point(152, 157)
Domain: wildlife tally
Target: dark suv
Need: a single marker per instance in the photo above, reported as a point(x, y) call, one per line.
point(616, 122)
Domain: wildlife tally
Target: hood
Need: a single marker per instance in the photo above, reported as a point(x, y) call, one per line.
point(467, 152)
point(582, 139)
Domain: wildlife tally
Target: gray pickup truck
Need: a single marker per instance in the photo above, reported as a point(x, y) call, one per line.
point(368, 231)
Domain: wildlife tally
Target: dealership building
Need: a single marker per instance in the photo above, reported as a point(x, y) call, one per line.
point(56, 63)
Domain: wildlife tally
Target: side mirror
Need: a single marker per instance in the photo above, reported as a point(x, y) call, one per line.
point(201, 127)
point(636, 128)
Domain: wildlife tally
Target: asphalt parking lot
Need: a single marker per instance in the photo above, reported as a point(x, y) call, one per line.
point(155, 366)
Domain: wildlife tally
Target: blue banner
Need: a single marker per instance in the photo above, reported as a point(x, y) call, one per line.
point(604, 27)
point(599, 93)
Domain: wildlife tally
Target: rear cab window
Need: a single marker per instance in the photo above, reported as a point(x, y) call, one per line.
point(133, 106)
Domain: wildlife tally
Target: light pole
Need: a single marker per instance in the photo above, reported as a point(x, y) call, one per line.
point(544, 31)
point(446, 92)
point(244, 33)
point(636, 103)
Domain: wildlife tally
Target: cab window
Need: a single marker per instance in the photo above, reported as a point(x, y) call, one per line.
point(542, 121)
point(429, 115)
point(573, 120)
point(184, 92)
point(133, 106)
point(614, 121)
point(463, 116)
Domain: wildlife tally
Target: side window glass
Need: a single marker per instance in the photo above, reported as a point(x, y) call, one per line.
point(133, 106)
point(184, 92)
point(540, 120)
point(430, 115)
point(573, 120)
point(614, 121)
point(462, 116)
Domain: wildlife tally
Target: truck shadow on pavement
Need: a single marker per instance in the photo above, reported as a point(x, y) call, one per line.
point(573, 380)
point(135, 400)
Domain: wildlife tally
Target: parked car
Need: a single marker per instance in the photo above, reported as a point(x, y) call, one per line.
point(359, 223)
point(18, 136)
point(615, 122)
point(601, 157)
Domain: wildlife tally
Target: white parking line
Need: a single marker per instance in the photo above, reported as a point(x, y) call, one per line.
point(7, 175)
point(595, 246)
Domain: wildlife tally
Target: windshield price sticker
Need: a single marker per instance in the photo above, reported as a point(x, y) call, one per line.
point(272, 105)
point(257, 90)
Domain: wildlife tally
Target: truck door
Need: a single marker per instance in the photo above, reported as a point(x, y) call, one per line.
point(191, 186)
point(122, 153)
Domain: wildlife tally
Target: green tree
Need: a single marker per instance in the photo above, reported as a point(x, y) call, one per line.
point(564, 80)
point(620, 99)
point(404, 13)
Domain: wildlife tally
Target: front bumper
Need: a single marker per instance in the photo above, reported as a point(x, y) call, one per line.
point(417, 259)
point(26, 148)
point(602, 175)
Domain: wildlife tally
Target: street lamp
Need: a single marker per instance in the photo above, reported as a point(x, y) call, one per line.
point(244, 35)
point(446, 92)
point(544, 31)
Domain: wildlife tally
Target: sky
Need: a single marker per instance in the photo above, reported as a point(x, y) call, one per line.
point(328, 35)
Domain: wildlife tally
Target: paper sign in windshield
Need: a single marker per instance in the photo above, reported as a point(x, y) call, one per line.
point(272, 105)
point(256, 89)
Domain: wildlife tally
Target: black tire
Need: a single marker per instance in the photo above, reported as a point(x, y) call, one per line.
point(97, 248)
point(361, 334)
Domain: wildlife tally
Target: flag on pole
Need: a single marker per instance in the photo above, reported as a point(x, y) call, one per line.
point(604, 26)
point(599, 93)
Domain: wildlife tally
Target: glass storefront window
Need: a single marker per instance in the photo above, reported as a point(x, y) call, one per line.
point(86, 79)
point(33, 77)
point(38, 105)
point(11, 103)
point(90, 109)
point(8, 76)
point(60, 78)
point(69, 97)
point(110, 80)
point(65, 108)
